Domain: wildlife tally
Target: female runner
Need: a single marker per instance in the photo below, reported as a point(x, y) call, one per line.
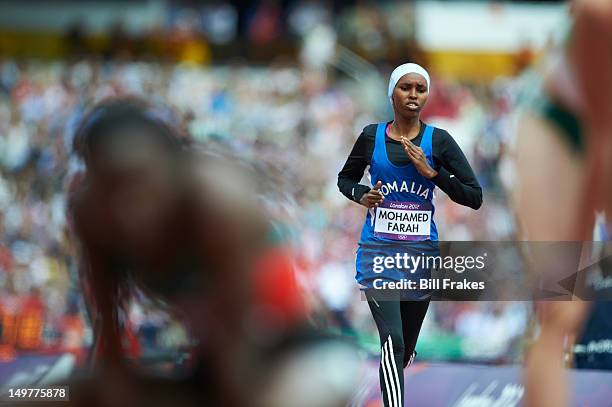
point(407, 160)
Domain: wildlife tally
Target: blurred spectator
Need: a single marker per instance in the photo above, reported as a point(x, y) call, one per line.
point(220, 22)
point(304, 16)
point(75, 40)
point(186, 40)
point(266, 23)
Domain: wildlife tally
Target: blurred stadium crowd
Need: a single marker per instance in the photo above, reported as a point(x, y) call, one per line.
point(301, 120)
point(201, 32)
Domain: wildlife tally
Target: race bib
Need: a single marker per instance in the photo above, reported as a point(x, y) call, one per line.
point(403, 220)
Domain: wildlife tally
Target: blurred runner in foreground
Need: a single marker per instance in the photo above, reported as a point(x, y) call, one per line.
point(186, 228)
point(564, 162)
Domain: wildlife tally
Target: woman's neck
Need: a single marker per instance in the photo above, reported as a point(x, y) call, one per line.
point(406, 127)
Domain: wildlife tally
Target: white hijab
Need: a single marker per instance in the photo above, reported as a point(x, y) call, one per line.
point(403, 70)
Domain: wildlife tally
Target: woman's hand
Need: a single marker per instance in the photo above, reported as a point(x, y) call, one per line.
point(417, 156)
point(373, 197)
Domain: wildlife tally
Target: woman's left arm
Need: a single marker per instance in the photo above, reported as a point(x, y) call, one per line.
point(455, 176)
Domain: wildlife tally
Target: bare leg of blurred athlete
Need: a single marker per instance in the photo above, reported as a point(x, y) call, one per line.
point(543, 221)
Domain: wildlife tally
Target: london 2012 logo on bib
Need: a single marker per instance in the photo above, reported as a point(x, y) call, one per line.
point(403, 220)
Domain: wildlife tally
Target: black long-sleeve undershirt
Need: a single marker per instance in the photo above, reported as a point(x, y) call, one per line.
point(455, 175)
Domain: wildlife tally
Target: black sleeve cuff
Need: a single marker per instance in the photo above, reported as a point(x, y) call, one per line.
point(358, 191)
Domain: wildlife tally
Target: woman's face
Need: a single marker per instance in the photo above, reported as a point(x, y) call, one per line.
point(410, 94)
